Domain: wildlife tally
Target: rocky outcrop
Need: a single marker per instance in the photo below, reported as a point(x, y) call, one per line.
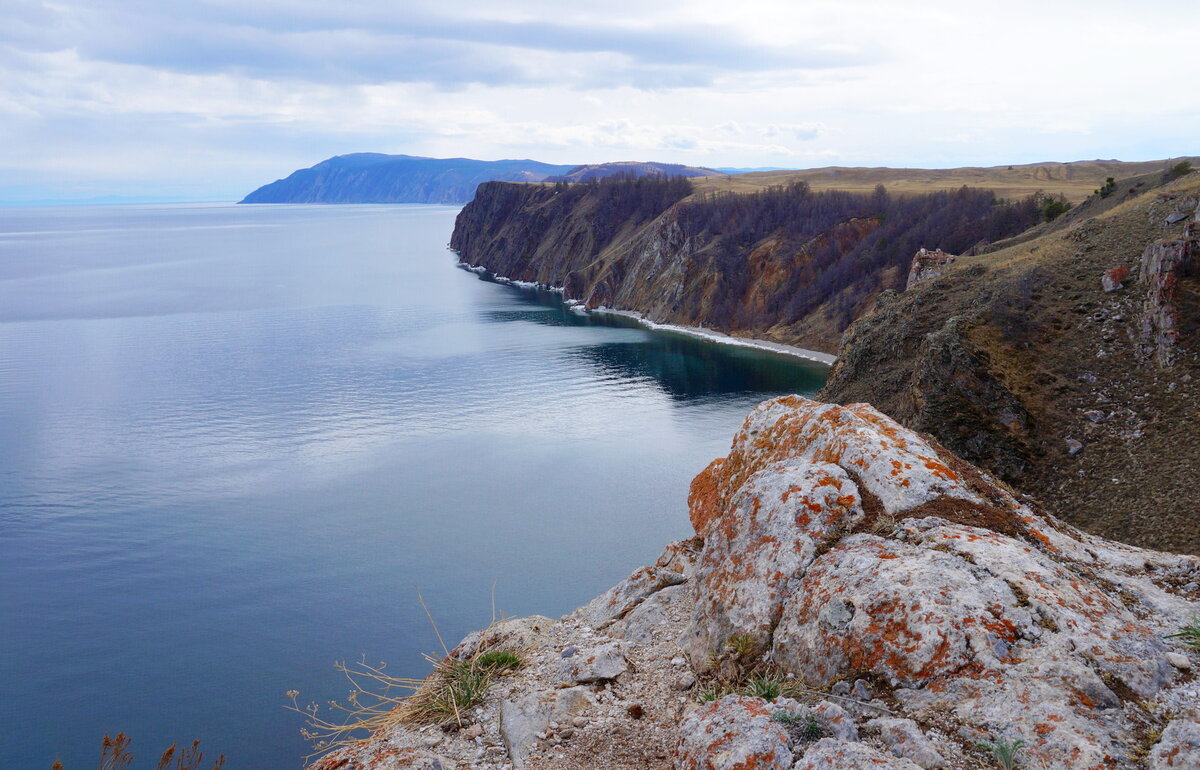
point(927, 265)
point(1163, 265)
point(835, 546)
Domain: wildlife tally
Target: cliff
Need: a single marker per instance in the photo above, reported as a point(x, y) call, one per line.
point(855, 596)
point(786, 264)
point(369, 177)
point(1065, 361)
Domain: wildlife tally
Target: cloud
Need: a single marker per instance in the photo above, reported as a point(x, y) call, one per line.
point(373, 43)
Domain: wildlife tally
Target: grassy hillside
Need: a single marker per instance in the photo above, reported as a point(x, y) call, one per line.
point(1075, 181)
point(1013, 355)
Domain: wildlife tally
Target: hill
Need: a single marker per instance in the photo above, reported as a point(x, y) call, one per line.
point(1067, 361)
point(1076, 180)
point(369, 177)
point(633, 167)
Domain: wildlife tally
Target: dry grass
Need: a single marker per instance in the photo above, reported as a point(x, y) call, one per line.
point(378, 701)
point(115, 755)
point(1075, 181)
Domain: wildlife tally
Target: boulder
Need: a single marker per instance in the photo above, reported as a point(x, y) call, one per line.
point(1179, 746)
point(904, 739)
point(523, 718)
point(927, 265)
point(592, 664)
point(832, 754)
point(509, 635)
point(645, 622)
point(619, 601)
point(845, 545)
point(733, 733)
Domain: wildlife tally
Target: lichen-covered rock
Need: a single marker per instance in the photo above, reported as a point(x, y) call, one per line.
point(927, 265)
point(522, 719)
point(933, 579)
point(747, 573)
point(733, 733)
point(832, 754)
point(592, 664)
point(647, 619)
point(904, 739)
point(619, 601)
point(1179, 746)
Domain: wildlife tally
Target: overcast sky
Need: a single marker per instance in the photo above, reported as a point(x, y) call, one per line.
point(211, 98)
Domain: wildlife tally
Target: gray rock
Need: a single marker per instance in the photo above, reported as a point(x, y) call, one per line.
point(646, 621)
point(1179, 661)
point(832, 754)
point(1073, 446)
point(522, 719)
point(731, 733)
point(511, 635)
point(836, 721)
point(904, 739)
point(593, 664)
point(621, 599)
point(1179, 747)
point(1177, 216)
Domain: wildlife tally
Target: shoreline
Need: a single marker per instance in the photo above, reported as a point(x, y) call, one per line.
point(709, 335)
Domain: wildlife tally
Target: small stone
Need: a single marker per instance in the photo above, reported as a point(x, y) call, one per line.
point(1179, 661)
point(1074, 446)
point(579, 721)
point(1095, 415)
point(685, 682)
point(841, 689)
point(430, 741)
point(678, 661)
point(554, 725)
point(569, 652)
point(541, 736)
point(862, 690)
point(473, 732)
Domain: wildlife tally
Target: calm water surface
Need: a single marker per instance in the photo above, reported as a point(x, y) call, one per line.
point(235, 441)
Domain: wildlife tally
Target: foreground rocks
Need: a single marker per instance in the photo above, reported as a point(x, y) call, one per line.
point(856, 597)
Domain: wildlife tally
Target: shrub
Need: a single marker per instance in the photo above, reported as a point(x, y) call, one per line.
point(1004, 751)
point(1182, 168)
point(1110, 185)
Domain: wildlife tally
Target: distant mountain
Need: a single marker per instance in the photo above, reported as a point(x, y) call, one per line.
point(636, 168)
point(371, 177)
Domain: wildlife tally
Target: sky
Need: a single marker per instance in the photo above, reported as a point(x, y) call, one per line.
point(208, 99)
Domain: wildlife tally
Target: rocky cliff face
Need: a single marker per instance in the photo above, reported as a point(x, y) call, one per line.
point(785, 264)
point(1067, 363)
point(855, 596)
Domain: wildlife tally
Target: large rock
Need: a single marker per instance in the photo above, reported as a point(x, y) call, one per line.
point(832, 754)
point(592, 664)
point(846, 545)
point(618, 601)
point(1179, 746)
point(927, 265)
point(514, 635)
point(905, 739)
point(733, 733)
point(522, 719)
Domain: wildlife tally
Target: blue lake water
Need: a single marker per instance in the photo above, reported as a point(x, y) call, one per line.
point(235, 441)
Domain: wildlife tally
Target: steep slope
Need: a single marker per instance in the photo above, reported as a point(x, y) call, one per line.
point(1067, 362)
point(632, 167)
point(855, 597)
point(785, 264)
point(375, 178)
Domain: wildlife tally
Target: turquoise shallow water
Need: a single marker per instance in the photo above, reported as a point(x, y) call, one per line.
point(235, 440)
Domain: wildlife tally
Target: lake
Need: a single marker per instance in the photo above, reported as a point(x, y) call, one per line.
point(235, 441)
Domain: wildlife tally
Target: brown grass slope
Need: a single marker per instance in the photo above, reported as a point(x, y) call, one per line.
point(1076, 180)
point(1013, 352)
